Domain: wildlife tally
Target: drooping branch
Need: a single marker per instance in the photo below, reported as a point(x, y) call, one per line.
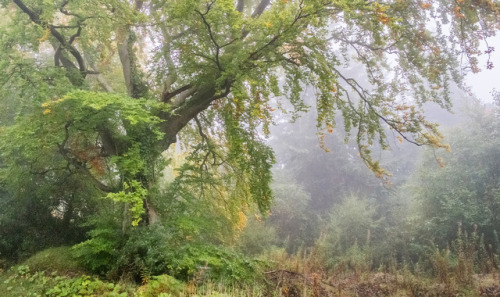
point(363, 96)
point(274, 40)
point(200, 129)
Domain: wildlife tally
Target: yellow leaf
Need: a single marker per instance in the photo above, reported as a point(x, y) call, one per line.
point(45, 36)
point(242, 221)
point(425, 5)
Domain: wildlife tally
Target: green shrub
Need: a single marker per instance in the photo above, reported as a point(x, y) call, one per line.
point(212, 262)
point(99, 254)
point(152, 251)
point(161, 285)
point(147, 251)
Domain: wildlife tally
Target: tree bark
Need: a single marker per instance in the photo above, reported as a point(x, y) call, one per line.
point(240, 6)
point(260, 8)
point(201, 99)
point(128, 59)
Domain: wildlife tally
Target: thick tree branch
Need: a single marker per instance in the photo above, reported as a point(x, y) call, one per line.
point(257, 12)
point(104, 84)
point(199, 101)
point(181, 98)
point(166, 96)
point(260, 8)
point(74, 36)
point(240, 6)
point(74, 52)
point(131, 72)
point(123, 53)
point(66, 45)
point(33, 16)
point(59, 59)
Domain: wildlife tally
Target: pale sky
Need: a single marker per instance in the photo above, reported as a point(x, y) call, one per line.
point(484, 82)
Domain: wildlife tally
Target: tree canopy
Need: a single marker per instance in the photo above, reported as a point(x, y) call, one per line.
point(96, 91)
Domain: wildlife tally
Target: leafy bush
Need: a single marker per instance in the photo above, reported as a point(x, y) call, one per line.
point(161, 285)
point(212, 262)
point(144, 253)
point(155, 250)
point(100, 253)
point(147, 251)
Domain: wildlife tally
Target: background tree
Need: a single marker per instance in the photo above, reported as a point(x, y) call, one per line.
point(464, 190)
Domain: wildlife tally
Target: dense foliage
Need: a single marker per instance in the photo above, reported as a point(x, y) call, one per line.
point(137, 129)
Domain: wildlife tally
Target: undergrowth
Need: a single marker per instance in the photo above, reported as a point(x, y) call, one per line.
point(466, 268)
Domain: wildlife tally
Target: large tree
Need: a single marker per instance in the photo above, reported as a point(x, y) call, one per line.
point(214, 72)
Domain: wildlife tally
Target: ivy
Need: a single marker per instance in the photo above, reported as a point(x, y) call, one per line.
point(133, 194)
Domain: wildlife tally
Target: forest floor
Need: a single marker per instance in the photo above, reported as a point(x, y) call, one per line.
point(20, 281)
point(292, 284)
